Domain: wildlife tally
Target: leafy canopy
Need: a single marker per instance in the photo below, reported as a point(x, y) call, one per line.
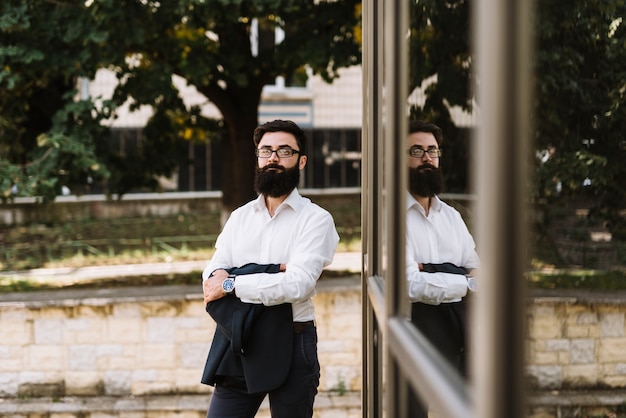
point(211, 44)
point(579, 112)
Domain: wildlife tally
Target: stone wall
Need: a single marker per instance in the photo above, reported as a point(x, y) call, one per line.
point(577, 340)
point(149, 342)
point(125, 349)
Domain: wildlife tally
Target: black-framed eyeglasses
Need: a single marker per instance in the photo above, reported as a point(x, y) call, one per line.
point(282, 152)
point(418, 152)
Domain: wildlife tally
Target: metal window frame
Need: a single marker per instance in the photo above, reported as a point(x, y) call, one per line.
point(396, 357)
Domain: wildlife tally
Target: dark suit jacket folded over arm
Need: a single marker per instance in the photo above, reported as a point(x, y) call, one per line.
point(251, 340)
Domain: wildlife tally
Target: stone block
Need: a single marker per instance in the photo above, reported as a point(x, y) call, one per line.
point(17, 333)
point(546, 326)
point(132, 414)
point(48, 331)
point(330, 346)
point(586, 318)
point(84, 383)
point(91, 311)
point(615, 381)
point(612, 350)
point(126, 310)
point(563, 357)
point(582, 351)
point(162, 309)
point(340, 378)
point(543, 309)
point(10, 314)
point(127, 360)
point(84, 330)
point(192, 355)
point(177, 414)
point(101, 414)
point(124, 330)
point(82, 357)
point(188, 381)
point(9, 384)
point(581, 375)
point(144, 375)
point(157, 356)
point(544, 358)
point(198, 335)
point(46, 357)
point(581, 331)
point(62, 415)
point(545, 377)
point(560, 344)
point(612, 325)
point(161, 330)
point(195, 308)
point(117, 382)
point(152, 388)
point(54, 389)
point(620, 368)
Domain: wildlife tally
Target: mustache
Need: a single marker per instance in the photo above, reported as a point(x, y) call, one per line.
point(426, 166)
point(273, 166)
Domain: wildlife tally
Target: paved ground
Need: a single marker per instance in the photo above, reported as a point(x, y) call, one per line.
point(348, 261)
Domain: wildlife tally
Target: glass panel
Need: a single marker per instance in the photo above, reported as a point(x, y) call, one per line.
point(439, 245)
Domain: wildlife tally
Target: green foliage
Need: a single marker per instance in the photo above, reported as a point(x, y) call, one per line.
point(580, 107)
point(579, 111)
point(441, 65)
point(47, 45)
point(579, 279)
point(47, 138)
point(439, 45)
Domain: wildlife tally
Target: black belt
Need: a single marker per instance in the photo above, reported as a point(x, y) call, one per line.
point(299, 327)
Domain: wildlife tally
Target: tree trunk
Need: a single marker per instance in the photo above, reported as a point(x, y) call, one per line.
point(238, 162)
point(239, 107)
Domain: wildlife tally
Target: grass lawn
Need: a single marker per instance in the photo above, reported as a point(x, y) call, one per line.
point(187, 237)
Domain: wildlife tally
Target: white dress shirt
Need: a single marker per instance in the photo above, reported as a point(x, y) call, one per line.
point(440, 237)
point(301, 235)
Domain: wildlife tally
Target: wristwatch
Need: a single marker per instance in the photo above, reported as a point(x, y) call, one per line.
point(228, 285)
point(472, 283)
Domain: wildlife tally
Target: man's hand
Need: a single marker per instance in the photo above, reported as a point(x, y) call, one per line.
point(212, 287)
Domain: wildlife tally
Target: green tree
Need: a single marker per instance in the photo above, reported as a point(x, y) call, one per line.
point(440, 64)
point(580, 108)
point(579, 113)
point(47, 138)
point(209, 44)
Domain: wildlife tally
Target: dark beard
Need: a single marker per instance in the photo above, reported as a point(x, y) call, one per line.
point(425, 180)
point(278, 182)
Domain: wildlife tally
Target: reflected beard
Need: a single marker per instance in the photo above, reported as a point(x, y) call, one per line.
point(274, 180)
point(425, 180)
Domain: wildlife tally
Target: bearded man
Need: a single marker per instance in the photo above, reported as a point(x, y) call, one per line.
point(440, 253)
point(270, 254)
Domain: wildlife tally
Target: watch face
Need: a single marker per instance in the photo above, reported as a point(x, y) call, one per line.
point(228, 285)
point(472, 284)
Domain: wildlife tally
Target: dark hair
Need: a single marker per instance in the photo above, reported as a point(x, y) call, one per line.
point(281, 126)
point(418, 125)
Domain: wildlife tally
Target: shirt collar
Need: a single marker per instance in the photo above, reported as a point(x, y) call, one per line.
point(435, 203)
point(293, 200)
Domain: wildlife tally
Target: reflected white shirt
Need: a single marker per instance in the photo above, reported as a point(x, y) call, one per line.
point(301, 235)
point(440, 237)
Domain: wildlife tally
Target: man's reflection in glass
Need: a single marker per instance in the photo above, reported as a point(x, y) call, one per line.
point(441, 255)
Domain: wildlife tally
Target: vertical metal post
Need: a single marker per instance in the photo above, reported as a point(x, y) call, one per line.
point(396, 67)
point(503, 50)
point(371, 204)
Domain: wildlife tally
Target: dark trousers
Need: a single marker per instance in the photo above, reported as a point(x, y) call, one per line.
point(293, 399)
point(444, 326)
